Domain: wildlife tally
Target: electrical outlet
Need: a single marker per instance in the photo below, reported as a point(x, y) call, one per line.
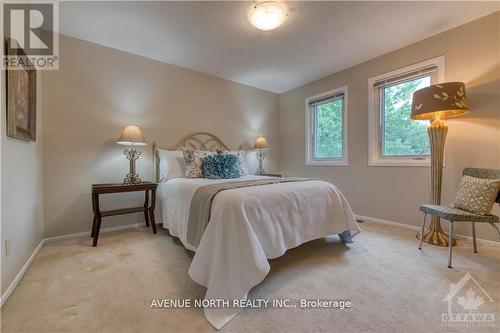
point(7, 246)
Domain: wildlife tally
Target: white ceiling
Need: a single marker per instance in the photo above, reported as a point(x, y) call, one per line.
point(317, 39)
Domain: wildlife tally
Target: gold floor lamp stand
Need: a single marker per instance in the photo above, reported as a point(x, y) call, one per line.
point(437, 102)
point(437, 131)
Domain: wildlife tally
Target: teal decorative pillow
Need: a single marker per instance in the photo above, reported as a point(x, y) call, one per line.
point(240, 156)
point(220, 167)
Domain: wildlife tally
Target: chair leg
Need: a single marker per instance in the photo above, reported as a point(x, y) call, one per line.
point(450, 243)
point(496, 229)
point(422, 232)
point(474, 236)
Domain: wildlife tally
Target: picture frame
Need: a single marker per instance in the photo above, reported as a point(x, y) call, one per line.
point(21, 98)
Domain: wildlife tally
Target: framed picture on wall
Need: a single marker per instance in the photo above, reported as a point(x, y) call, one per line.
point(21, 99)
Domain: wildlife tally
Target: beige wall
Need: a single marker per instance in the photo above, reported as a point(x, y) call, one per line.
point(21, 189)
point(472, 54)
point(98, 90)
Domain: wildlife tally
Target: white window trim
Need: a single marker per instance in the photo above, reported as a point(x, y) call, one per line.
point(332, 161)
point(374, 154)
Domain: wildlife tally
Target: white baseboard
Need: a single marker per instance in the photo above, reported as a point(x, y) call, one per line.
point(87, 233)
point(44, 241)
point(415, 228)
point(21, 273)
point(396, 224)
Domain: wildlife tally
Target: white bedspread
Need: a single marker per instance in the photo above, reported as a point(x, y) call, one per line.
point(248, 226)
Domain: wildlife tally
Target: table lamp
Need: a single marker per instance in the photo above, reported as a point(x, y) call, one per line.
point(260, 144)
point(132, 136)
point(435, 103)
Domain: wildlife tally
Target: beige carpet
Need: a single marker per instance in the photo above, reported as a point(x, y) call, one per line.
point(393, 287)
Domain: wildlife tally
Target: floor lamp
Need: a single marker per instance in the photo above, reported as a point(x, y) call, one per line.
point(436, 103)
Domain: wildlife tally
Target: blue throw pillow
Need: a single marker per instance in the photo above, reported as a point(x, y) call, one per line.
point(220, 167)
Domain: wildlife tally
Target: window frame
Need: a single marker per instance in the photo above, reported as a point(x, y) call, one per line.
point(375, 157)
point(310, 131)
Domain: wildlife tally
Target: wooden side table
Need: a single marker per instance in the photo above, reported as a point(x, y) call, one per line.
point(148, 208)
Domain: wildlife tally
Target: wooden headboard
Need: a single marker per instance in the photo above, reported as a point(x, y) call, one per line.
point(197, 140)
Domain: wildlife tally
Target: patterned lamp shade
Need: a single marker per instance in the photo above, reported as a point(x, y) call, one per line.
point(132, 135)
point(443, 100)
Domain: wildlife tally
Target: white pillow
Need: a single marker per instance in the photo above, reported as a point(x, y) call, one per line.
point(171, 164)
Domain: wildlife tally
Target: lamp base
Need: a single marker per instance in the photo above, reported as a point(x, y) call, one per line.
point(434, 235)
point(437, 131)
point(132, 178)
point(260, 157)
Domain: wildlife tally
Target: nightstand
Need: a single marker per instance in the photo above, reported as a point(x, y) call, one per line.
point(148, 208)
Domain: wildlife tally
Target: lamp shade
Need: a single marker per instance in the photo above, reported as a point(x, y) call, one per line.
point(443, 100)
point(132, 135)
point(260, 143)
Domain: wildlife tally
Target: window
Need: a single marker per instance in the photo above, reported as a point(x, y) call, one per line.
point(402, 136)
point(395, 139)
point(326, 128)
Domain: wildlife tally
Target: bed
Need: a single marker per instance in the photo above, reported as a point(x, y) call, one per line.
point(247, 225)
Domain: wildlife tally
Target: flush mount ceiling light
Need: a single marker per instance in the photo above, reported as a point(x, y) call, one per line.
point(267, 15)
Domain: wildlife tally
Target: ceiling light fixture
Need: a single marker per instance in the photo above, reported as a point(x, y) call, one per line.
point(267, 15)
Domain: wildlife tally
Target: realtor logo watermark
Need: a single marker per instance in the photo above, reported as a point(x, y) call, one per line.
point(30, 35)
point(467, 294)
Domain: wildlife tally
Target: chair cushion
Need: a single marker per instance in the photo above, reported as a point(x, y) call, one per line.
point(477, 195)
point(456, 214)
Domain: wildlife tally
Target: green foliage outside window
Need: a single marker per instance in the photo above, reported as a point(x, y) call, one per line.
point(329, 132)
point(401, 135)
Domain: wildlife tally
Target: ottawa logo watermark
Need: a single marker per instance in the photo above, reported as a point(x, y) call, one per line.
point(30, 35)
point(465, 299)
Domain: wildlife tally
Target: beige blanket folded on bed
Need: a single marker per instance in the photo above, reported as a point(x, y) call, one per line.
point(201, 203)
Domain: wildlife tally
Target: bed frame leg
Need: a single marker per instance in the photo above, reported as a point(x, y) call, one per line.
point(346, 237)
